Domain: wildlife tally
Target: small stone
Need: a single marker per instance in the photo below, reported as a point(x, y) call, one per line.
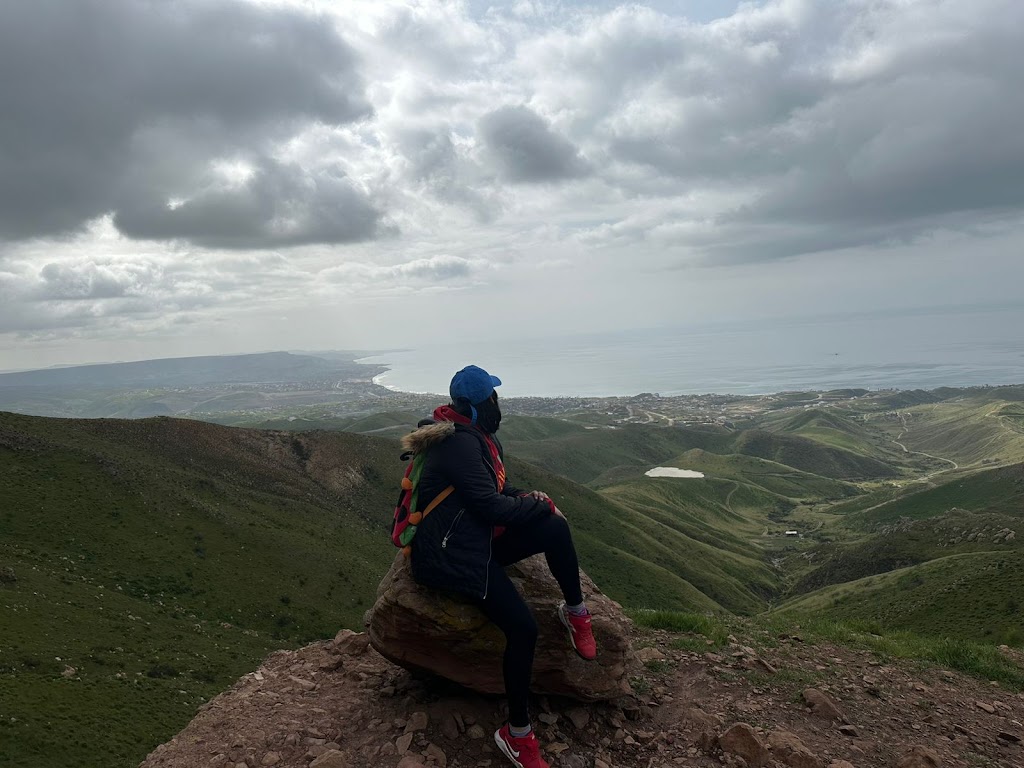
point(306, 685)
point(788, 748)
point(985, 707)
point(703, 718)
point(438, 755)
point(1011, 738)
point(741, 740)
point(849, 730)
point(579, 717)
point(411, 761)
point(218, 760)
point(387, 749)
point(650, 654)
point(404, 742)
point(449, 728)
point(548, 718)
point(822, 706)
point(475, 732)
point(417, 722)
point(69, 672)
point(271, 758)
point(330, 759)
point(919, 757)
point(349, 643)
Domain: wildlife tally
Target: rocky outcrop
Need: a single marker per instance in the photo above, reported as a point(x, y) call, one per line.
point(423, 629)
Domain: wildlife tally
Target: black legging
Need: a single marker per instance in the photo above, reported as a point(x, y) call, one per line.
point(506, 607)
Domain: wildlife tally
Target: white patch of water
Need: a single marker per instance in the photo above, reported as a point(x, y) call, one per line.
point(672, 472)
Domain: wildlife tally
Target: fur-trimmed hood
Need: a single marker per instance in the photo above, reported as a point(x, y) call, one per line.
point(428, 436)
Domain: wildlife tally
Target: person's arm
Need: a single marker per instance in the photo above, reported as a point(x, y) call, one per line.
point(463, 462)
point(510, 490)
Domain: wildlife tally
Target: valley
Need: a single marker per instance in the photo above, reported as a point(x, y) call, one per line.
point(148, 563)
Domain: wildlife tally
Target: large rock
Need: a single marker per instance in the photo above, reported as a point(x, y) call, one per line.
point(424, 629)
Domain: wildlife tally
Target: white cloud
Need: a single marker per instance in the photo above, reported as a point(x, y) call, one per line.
point(324, 159)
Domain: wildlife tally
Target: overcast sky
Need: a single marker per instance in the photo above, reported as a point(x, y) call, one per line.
point(186, 177)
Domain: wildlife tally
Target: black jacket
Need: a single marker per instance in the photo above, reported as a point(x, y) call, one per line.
point(452, 547)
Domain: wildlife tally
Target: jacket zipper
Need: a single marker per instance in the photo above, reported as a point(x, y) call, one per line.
point(451, 529)
point(490, 541)
point(487, 572)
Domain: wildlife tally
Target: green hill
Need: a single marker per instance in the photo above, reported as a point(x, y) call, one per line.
point(995, 490)
point(909, 542)
point(162, 556)
point(969, 432)
point(811, 456)
point(975, 596)
point(585, 455)
point(831, 428)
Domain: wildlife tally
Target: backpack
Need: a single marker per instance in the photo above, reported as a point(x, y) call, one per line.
point(407, 512)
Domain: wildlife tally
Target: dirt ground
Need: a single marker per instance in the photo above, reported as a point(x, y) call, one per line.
point(339, 704)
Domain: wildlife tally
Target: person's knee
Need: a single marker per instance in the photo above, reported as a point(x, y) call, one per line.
point(557, 529)
point(524, 630)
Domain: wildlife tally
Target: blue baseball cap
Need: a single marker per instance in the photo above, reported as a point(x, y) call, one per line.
point(474, 384)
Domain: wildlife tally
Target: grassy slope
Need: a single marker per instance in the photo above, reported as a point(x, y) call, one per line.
point(976, 596)
point(997, 490)
point(165, 556)
point(910, 542)
point(585, 456)
point(633, 557)
point(967, 431)
point(831, 428)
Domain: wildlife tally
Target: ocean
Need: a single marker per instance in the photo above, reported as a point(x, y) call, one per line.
point(923, 349)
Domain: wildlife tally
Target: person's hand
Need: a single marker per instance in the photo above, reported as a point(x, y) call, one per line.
point(544, 497)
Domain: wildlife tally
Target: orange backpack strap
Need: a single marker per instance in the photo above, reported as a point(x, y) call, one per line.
point(417, 517)
point(438, 499)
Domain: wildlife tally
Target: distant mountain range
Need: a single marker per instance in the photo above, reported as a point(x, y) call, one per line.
point(264, 368)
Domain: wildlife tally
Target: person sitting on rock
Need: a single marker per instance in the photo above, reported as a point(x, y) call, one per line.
point(484, 525)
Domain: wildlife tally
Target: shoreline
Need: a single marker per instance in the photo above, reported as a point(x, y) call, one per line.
point(867, 391)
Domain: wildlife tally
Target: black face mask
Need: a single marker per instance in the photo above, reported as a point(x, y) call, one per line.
point(488, 415)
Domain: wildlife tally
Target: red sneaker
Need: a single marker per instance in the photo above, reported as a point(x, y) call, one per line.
point(581, 636)
point(524, 752)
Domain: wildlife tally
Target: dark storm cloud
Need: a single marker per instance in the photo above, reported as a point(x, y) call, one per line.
point(277, 206)
point(525, 148)
point(113, 106)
